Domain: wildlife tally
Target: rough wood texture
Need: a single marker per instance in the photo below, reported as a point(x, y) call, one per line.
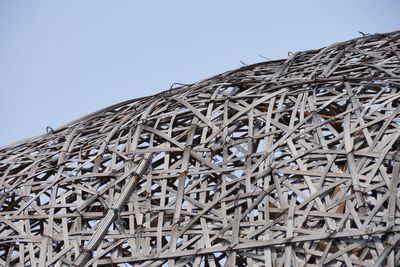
point(283, 163)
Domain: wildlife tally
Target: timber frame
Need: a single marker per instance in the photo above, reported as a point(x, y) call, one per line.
point(282, 163)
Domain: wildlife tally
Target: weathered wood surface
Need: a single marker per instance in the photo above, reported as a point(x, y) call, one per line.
point(283, 163)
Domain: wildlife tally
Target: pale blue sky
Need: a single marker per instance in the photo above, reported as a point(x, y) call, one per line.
point(60, 60)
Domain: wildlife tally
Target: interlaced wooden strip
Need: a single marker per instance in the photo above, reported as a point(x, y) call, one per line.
point(283, 163)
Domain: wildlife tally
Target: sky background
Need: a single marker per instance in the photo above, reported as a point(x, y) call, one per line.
point(60, 60)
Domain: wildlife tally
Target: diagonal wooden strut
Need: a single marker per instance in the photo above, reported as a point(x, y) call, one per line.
point(105, 223)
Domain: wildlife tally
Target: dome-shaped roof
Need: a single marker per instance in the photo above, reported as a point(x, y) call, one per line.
point(288, 162)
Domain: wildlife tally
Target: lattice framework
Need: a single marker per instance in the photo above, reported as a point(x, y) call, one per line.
point(290, 162)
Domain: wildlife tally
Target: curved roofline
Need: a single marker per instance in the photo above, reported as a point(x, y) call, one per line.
point(251, 66)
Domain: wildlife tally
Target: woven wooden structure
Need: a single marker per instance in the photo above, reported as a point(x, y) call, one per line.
point(283, 163)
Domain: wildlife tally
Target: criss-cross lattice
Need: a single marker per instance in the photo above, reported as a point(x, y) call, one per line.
point(282, 163)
